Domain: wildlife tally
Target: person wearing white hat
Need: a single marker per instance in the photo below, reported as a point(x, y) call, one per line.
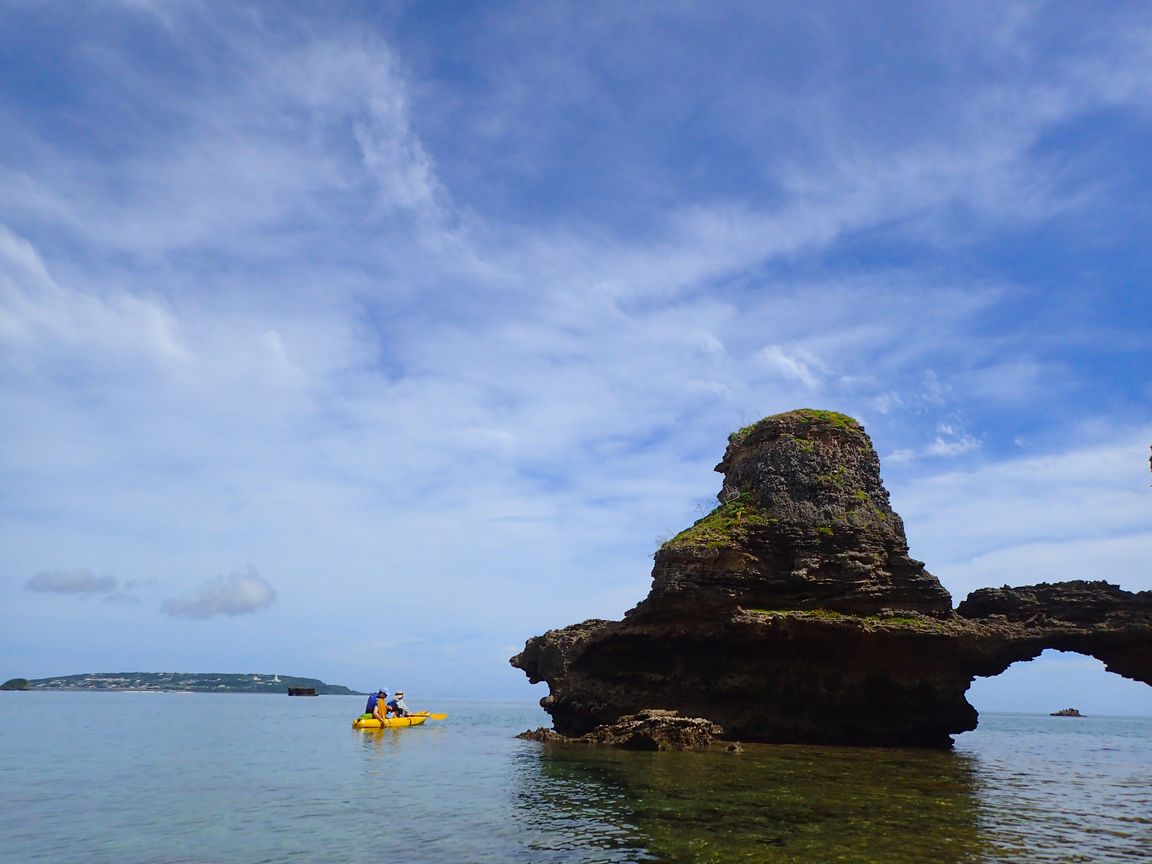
point(396, 705)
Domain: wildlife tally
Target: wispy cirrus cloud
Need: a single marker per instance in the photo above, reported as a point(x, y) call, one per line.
point(1083, 513)
point(801, 365)
point(313, 285)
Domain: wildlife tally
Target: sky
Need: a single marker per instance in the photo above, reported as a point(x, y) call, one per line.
point(363, 341)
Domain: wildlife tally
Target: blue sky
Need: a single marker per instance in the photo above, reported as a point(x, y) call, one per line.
point(363, 341)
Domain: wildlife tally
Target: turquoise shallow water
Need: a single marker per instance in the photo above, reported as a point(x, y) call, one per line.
point(157, 777)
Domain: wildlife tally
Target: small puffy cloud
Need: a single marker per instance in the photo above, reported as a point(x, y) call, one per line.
point(234, 594)
point(951, 441)
point(903, 455)
point(78, 581)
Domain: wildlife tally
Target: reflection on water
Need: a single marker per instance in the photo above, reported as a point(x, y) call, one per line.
point(767, 804)
point(379, 739)
point(568, 811)
point(1023, 790)
point(1060, 790)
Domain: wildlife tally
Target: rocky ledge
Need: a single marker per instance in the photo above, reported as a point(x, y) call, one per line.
point(793, 612)
point(648, 730)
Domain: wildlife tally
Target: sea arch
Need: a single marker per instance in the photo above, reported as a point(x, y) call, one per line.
point(1055, 680)
point(1095, 619)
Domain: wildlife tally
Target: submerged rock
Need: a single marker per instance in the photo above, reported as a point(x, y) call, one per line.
point(647, 730)
point(542, 735)
point(655, 730)
point(794, 613)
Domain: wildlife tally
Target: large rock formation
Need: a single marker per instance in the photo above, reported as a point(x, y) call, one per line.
point(803, 523)
point(793, 613)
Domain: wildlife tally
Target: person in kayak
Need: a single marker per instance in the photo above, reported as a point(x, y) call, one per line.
point(377, 705)
point(397, 706)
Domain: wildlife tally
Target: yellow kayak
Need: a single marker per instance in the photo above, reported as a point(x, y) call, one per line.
point(367, 721)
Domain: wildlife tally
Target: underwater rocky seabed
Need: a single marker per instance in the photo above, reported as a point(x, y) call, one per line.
point(1021, 791)
point(793, 613)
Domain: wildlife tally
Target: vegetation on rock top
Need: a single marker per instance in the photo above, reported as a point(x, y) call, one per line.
point(908, 620)
point(809, 416)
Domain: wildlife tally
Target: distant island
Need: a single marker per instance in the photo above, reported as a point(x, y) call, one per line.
point(1066, 712)
point(184, 682)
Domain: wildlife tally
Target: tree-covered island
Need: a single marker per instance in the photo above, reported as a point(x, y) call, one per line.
point(189, 682)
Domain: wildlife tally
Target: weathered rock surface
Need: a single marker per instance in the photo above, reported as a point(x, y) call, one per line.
point(794, 613)
point(647, 730)
point(804, 522)
point(544, 736)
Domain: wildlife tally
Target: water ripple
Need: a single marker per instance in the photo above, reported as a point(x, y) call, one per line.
point(225, 786)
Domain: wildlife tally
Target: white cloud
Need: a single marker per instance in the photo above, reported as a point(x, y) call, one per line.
point(887, 402)
point(932, 389)
point(1083, 513)
point(398, 161)
point(1118, 559)
point(41, 318)
point(78, 581)
point(290, 318)
point(801, 365)
point(951, 441)
point(240, 593)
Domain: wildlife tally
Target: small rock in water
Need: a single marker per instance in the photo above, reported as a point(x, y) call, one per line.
point(652, 729)
point(541, 734)
point(655, 729)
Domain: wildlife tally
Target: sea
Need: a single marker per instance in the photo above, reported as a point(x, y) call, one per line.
point(175, 778)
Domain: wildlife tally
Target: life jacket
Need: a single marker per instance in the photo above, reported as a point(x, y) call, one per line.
point(371, 706)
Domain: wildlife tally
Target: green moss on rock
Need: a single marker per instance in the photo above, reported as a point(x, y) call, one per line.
point(726, 523)
point(805, 417)
point(884, 621)
point(833, 418)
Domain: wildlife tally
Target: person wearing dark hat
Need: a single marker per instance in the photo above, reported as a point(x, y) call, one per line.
point(397, 706)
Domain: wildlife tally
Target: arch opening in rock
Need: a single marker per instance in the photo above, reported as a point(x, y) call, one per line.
point(1060, 679)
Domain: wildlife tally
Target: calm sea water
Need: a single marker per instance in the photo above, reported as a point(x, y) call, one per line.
point(239, 779)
